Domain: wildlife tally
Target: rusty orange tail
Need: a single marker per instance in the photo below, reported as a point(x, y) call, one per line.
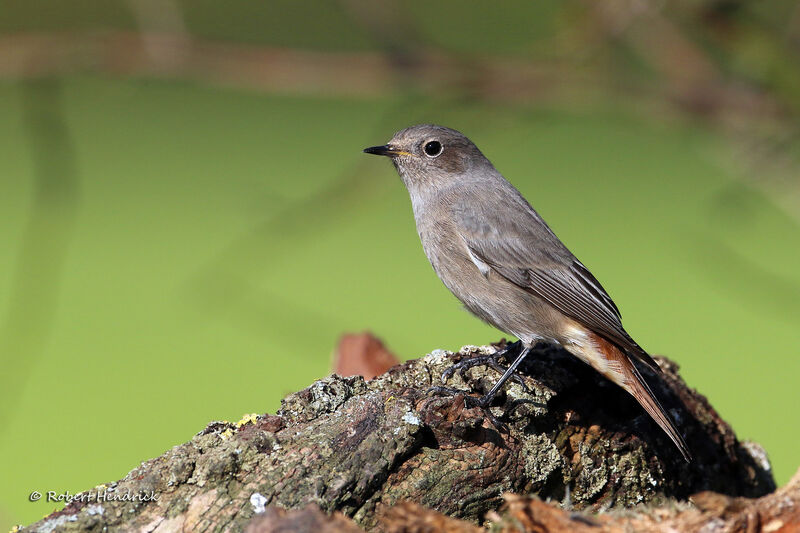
point(633, 382)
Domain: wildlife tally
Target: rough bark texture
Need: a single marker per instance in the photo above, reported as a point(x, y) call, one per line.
point(707, 512)
point(362, 447)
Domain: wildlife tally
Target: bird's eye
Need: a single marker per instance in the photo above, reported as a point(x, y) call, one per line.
point(433, 148)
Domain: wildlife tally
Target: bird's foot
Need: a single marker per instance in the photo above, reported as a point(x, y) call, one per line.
point(471, 401)
point(490, 360)
point(483, 402)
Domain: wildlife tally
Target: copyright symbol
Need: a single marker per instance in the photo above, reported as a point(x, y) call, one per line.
point(35, 495)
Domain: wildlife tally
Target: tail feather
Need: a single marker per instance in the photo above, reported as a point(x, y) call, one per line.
point(633, 382)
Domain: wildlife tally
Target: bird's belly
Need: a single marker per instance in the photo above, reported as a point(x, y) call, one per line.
point(494, 299)
point(511, 309)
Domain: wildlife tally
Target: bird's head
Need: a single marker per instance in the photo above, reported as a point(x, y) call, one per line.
point(431, 157)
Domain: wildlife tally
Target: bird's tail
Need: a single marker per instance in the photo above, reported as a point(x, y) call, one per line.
point(628, 377)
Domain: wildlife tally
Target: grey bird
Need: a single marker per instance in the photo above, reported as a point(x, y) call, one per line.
point(496, 254)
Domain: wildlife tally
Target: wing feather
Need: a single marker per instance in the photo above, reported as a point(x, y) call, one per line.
point(533, 258)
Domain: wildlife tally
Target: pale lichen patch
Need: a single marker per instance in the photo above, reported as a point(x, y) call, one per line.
point(411, 418)
point(259, 502)
point(542, 459)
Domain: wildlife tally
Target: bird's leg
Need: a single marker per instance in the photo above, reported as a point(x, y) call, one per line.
point(486, 400)
point(491, 360)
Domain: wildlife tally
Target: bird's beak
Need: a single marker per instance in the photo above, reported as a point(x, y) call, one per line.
point(386, 150)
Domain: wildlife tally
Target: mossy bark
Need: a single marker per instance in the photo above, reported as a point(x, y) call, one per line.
point(361, 447)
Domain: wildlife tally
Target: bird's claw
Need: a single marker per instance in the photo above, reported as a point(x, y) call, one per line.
point(490, 360)
point(482, 402)
point(466, 364)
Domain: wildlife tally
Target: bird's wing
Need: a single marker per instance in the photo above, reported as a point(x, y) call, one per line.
point(527, 253)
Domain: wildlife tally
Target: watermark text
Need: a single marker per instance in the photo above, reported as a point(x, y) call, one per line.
point(95, 496)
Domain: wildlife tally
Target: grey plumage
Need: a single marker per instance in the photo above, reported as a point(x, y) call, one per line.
point(496, 254)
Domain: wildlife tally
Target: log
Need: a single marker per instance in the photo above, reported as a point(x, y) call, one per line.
point(778, 512)
point(346, 448)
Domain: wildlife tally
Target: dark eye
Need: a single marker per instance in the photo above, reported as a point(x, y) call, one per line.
point(433, 148)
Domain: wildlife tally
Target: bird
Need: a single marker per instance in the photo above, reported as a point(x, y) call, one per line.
point(497, 255)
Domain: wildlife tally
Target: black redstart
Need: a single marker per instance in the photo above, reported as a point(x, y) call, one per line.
point(497, 255)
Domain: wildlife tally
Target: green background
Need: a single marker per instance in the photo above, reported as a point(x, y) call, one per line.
point(211, 245)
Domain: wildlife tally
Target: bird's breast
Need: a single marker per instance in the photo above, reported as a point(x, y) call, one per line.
point(444, 248)
point(482, 290)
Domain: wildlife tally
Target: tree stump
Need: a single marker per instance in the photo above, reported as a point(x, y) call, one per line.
point(359, 449)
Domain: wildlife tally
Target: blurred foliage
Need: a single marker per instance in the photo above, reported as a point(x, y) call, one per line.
point(176, 251)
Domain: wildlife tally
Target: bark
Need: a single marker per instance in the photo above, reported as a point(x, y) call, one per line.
point(361, 448)
point(706, 512)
